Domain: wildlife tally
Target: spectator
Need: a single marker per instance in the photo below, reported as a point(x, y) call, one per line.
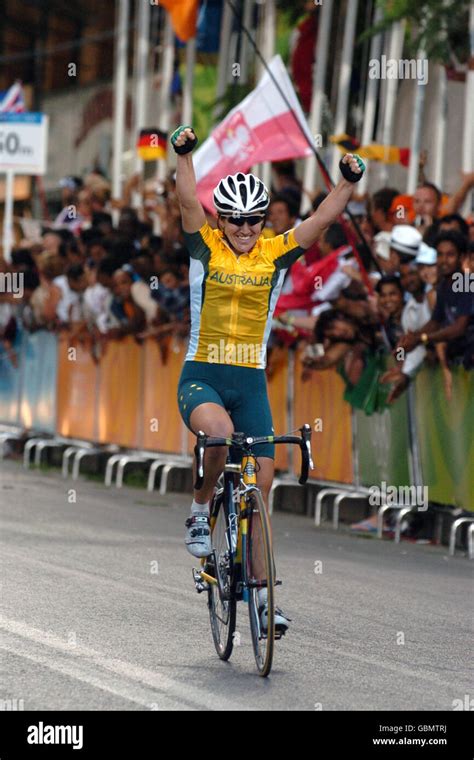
point(125, 315)
point(404, 245)
point(453, 222)
point(77, 214)
point(426, 204)
point(172, 295)
point(380, 209)
point(24, 310)
point(98, 297)
point(453, 318)
point(92, 240)
point(352, 348)
point(70, 187)
point(390, 293)
point(129, 226)
point(282, 213)
point(47, 296)
point(102, 222)
point(469, 260)
point(51, 241)
point(72, 285)
point(426, 260)
point(301, 289)
point(416, 313)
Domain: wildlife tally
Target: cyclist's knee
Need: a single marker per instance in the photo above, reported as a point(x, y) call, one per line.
point(265, 476)
point(213, 420)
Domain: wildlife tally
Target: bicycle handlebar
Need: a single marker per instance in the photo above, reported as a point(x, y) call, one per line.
point(245, 443)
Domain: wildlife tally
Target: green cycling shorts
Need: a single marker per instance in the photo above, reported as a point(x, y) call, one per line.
point(242, 391)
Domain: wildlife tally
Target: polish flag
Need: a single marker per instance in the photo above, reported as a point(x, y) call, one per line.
point(260, 128)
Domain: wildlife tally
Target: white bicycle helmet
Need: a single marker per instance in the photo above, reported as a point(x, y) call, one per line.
point(241, 193)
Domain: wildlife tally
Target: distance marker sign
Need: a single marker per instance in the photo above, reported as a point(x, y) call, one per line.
point(23, 143)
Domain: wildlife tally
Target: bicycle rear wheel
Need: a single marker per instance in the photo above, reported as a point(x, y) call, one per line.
point(260, 574)
point(221, 598)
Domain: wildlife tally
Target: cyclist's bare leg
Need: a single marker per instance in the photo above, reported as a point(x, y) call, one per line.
point(265, 473)
point(214, 421)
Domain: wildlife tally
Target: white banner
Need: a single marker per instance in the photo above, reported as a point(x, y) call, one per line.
point(23, 143)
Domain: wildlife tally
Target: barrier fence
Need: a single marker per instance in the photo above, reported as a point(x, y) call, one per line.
point(128, 398)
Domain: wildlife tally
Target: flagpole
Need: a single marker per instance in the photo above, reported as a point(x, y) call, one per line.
point(187, 115)
point(268, 30)
point(244, 50)
point(267, 34)
point(440, 130)
point(396, 50)
point(468, 135)
point(222, 66)
point(120, 94)
point(142, 46)
point(167, 62)
point(318, 96)
point(371, 98)
point(345, 78)
point(415, 143)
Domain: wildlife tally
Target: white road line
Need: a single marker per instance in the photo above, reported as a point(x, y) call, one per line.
point(107, 682)
point(86, 657)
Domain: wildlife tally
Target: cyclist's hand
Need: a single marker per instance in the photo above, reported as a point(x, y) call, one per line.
point(183, 140)
point(352, 167)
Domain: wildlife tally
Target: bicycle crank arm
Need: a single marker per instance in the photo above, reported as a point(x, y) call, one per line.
point(201, 580)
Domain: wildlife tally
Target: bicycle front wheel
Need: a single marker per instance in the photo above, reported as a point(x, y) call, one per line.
point(221, 598)
point(260, 575)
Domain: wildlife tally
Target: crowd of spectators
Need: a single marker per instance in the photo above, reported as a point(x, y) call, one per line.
point(376, 309)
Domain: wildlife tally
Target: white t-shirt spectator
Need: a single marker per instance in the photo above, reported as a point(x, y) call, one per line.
point(415, 314)
point(71, 306)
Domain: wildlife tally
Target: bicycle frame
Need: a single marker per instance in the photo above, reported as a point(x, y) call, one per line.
point(241, 562)
point(237, 533)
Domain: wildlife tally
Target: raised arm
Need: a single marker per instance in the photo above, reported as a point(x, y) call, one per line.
point(192, 213)
point(332, 207)
point(456, 200)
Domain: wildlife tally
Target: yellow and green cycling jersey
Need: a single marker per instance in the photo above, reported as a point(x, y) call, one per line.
point(233, 297)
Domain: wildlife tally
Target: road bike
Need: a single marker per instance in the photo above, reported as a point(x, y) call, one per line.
point(241, 561)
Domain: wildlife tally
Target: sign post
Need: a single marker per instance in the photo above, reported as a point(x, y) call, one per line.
point(23, 146)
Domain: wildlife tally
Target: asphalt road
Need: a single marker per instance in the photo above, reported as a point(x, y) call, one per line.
point(99, 612)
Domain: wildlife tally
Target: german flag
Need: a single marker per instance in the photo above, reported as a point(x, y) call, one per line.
point(387, 154)
point(151, 144)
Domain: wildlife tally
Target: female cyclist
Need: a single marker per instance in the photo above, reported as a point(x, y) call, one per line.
point(235, 278)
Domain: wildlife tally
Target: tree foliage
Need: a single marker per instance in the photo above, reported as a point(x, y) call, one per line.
point(439, 27)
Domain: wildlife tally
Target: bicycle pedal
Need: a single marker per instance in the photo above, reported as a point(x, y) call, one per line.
point(198, 581)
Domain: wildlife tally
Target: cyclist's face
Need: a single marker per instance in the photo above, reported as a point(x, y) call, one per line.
point(242, 239)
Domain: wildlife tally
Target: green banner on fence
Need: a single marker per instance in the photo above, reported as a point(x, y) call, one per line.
point(446, 436)
point(383, 446)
